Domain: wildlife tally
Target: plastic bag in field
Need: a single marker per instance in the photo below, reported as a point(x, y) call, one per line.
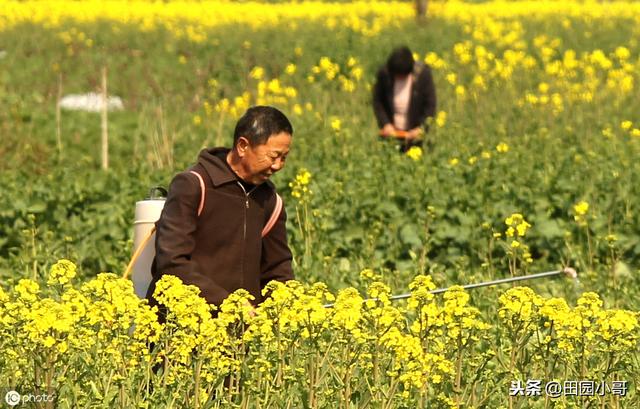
point(90, 102)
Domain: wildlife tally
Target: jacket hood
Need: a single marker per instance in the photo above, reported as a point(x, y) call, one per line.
point(217, 169)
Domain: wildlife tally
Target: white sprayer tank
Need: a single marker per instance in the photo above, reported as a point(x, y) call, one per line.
point(146, 214)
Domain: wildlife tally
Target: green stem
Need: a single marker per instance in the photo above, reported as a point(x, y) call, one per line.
point(392, 390)
point(459, 367)
point(589, 246)
point(34, 253)
point(307, 235)
point(311, 383)
point(196, 386)
point(49, 381)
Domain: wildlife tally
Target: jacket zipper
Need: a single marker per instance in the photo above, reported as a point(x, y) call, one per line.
point(244, 228)
point(246, 206)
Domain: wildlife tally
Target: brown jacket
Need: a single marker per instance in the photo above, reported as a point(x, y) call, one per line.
point(221, 250)
point(422, 103)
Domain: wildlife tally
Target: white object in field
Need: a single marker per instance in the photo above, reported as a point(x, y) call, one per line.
point(146, 214)
point(91, 102)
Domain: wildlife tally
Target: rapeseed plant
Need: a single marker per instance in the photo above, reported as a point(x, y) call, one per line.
point(580, 209)
point(291, 344)
point(517, 250)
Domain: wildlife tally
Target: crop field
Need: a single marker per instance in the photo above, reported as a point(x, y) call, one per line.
point(529, 166)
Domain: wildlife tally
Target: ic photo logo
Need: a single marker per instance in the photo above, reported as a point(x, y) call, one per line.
point(12, 398)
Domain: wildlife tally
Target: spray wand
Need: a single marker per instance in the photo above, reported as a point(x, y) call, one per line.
point(568, 271)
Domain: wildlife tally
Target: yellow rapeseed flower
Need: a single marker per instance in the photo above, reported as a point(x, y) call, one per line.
point(62, 272)
point(502, 147)
point(257, 73)
point(336, 124)
point(415, 153)
point(299, 186)
point(519, 304)
point(290, 69)
point(441, 119)
point(581, 208)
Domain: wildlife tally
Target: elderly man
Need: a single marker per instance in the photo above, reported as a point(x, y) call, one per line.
point(404, 96)
point(223, 225)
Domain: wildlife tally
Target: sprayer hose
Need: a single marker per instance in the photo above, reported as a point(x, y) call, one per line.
point(138, 251)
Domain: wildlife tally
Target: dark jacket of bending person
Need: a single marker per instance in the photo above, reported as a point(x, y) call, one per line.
point(404, 97)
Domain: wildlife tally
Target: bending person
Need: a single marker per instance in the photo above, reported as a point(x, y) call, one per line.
point(404, 96)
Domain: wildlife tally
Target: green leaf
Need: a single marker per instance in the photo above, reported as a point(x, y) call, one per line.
point(37, 207)
point(409, 235)
point(344, 265)
point(95, 390)
point(621, 270)
point(549, 229)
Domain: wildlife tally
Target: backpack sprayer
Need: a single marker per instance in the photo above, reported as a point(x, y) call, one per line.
point(146, 214)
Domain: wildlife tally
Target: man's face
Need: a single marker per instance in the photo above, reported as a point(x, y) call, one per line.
point(259, 162)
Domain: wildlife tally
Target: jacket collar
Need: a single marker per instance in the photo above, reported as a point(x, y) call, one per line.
point(217, 169)
point(418, 67)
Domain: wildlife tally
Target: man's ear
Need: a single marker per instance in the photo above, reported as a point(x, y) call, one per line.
point(242, 145)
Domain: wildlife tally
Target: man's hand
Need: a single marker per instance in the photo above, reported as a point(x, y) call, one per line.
point(388, 130)
point(415, 133)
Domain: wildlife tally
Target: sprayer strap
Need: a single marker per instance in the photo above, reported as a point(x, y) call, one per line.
point(274, 216)
point(201, 206)
point(267, 227)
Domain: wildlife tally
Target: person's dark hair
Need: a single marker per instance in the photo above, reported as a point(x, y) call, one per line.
point(259, 123)
point(400, 61)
